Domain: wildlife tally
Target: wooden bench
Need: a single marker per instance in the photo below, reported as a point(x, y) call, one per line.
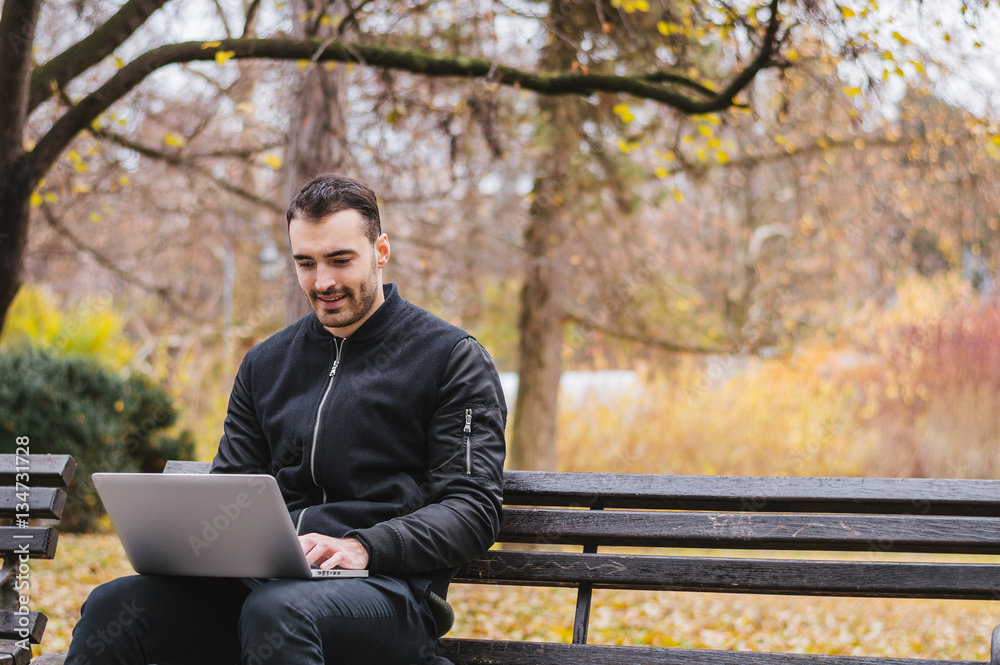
point(31, 489)
point(786, 516)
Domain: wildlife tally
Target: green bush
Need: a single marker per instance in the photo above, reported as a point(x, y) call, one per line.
point(107, 422)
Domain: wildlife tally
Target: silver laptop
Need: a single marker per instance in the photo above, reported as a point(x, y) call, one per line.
point(206, 525)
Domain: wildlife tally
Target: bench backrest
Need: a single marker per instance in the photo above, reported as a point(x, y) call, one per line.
point(31, 489)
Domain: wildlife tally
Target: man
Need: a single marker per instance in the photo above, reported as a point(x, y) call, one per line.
point(383, 426)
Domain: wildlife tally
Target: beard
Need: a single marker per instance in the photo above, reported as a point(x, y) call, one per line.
point(355, 306)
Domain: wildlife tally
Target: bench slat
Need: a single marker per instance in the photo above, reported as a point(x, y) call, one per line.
point(11, 654)
point(920, 496)
point(488, 652)
point(185, 466)
point(40, 541)
point(878, 579)
point(10, 625)
point(43, 470)
point(43, 502)
point(785, 531)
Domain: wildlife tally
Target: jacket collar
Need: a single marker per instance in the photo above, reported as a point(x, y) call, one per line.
point(376, 324)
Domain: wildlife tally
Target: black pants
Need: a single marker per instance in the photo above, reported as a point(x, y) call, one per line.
point(143, 620)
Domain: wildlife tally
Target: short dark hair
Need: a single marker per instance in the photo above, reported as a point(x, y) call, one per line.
point(330, 193)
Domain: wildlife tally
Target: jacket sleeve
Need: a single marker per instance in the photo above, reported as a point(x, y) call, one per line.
point(243, 448)
point(460, 518)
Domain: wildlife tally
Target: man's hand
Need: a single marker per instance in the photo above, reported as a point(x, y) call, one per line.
point(328, 552)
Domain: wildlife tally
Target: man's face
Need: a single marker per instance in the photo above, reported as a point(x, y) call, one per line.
point(338, 269)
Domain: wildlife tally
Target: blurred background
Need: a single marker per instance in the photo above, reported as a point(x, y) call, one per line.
point(803, 282)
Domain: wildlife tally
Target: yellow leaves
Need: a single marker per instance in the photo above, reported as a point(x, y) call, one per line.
point(95, 217)
point(631, 6)
point(667, 29)
point(622, 111)
point(82, 188)
point(303, 65)
point(119, 63)
point(273, 161)
point(77, 161)
point(993, 148)
point(627, 146)
point(245, 107)
point(208, 45)
point(852, 92)
point(846, 12)
point(222, 57)
point(36, 199)
point(174, 140)
point(661, 172)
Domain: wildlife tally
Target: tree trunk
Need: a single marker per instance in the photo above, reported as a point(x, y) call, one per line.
point(533, 440)
point(317, 137)
point(17, 34)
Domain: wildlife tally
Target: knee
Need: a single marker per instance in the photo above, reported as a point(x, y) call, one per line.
point(269, 612)
point(119, 602)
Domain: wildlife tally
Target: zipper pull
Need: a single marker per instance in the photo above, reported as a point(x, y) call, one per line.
point(333, 372)
point(468, 421)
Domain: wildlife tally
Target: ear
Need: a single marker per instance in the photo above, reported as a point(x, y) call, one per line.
point(382, 250)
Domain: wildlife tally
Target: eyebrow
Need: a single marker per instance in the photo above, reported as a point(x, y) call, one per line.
point(328, 255)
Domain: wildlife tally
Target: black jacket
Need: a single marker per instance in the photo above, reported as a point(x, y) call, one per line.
point(394, 436)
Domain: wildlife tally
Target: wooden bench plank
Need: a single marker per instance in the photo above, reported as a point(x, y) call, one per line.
point(185, 466)
point(43, 502)
point(489, 652)
point(784, 531)
point(11, 654)
point(919, 496)
point(11, 627)
point(43, 470)
point(38, 541)
point(728, 575)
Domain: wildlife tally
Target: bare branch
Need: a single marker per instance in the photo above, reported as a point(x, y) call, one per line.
point(126, 276)
point(646, 340)
point(250, 26)
point(185, 164)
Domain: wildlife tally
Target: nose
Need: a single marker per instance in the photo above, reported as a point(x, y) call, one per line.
point(326, 278)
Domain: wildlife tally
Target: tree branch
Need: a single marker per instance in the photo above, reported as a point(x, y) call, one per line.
point(763, 59)
point(106, 263)
point(646, 340)
point(90, 50)
point(183, 164)
point(81, 115)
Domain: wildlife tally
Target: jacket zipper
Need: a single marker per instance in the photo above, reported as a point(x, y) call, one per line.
point(339, 345)
point(468, 442)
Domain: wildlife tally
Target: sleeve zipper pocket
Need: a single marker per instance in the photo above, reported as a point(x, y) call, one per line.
point(468, 442)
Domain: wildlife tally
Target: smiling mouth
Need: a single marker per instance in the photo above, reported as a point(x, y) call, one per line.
point(330, 301)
